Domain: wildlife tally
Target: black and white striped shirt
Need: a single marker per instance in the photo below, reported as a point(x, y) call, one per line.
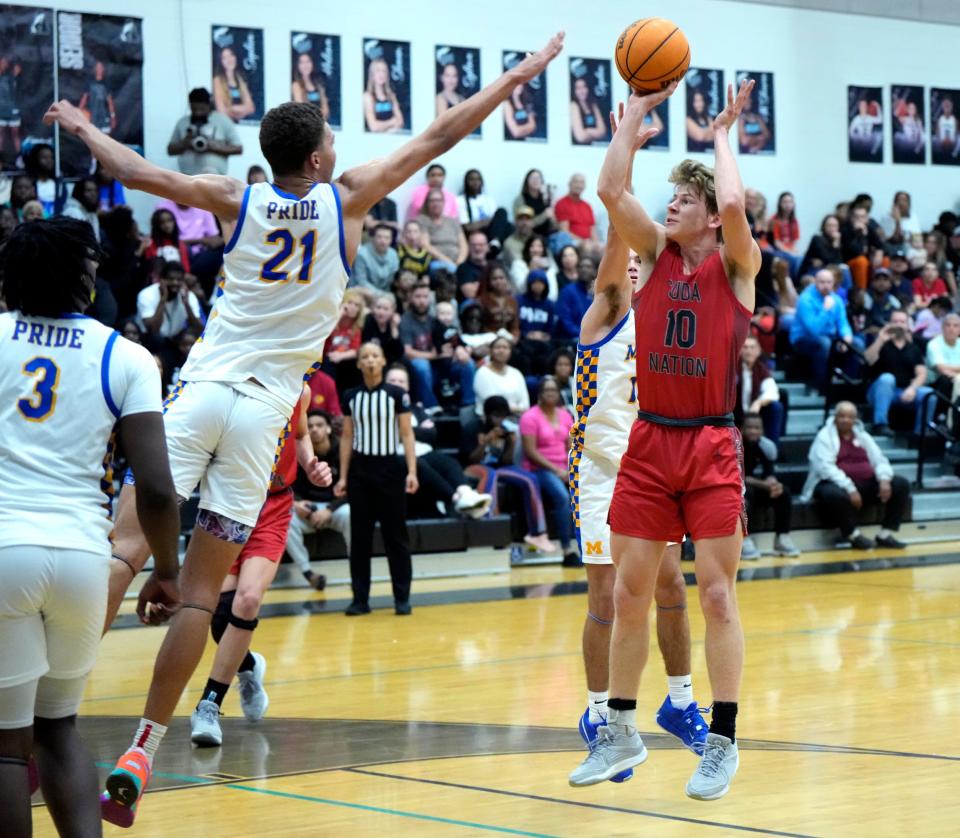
point(374, 412)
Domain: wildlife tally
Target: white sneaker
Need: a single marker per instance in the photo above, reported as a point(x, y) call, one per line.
point(719, 763)
point(253, 697)
point(783, 546)
point(205, 724)
point(749, 552)
point(470, 500)
point(617, 748)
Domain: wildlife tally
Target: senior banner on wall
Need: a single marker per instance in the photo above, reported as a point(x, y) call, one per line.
point(907, 124)
point(238, 73)
point(315, 72)
point(590, 101)
point(756, 132)
point(386, 86)
point(944, 137)
point(525, 112)
point(26, 80)
point(100, 70)
point(706, 97)
point(457, 77)
point(864, 124)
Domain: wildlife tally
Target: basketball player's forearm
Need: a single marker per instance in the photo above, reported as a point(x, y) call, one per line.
point(729, 187)
point(124, 163)
point(618, 161)
point(409, 451)
point(159, 519)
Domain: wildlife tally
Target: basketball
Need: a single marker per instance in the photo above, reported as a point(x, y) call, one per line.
point(651, 53)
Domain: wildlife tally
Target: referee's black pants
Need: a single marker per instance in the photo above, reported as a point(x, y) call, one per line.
point(376, 491)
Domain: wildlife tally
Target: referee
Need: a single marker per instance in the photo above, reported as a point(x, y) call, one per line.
point(376, 417)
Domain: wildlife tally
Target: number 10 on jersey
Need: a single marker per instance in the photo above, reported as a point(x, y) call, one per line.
point(272, 270)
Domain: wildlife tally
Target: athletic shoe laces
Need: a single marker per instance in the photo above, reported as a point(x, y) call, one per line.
point(712, 762)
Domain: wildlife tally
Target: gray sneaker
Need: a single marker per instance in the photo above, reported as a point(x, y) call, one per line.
point(783, 546)
point(718, 764)
point(749, 552)
point(617, 748)
point(205, 724)
point(254, 700)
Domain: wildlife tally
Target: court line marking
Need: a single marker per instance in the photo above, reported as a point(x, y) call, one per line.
point(396, 812)
point(583, 804)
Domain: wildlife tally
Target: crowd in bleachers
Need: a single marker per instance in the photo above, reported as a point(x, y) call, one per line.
point(478, 309)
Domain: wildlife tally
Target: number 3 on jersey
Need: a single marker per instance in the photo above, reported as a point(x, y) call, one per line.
point(42, 401)
point(272, 268)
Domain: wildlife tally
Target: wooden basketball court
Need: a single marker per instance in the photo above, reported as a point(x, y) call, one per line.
point(461, 720)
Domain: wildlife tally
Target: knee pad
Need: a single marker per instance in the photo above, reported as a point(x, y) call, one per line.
point(245, 625)
point(218, 625)
point(222, 527)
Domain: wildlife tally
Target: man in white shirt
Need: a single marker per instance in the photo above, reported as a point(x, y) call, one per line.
point(943, 361)
point(167, 307)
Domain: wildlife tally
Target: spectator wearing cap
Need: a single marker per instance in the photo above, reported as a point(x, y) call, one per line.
point(472, 269)
point(204, 140)
point(879, 303)
point(535, 311)
point(376, 262)
point(901, 280)
point(523, 229)
point(435, 177)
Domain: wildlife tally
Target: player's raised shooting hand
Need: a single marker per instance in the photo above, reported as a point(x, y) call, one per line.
point(536, 62)
point(648, 101)
point(726, 119)
point(69, 117)
point(642, 137)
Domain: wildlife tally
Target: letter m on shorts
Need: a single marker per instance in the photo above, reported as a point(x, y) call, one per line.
point(594, 548)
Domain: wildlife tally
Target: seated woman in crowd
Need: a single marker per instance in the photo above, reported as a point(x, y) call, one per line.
point(382, 326)
point(561, 368)
point(758, 392)
point(497, 377)
point(536, 325)
point(473, 335)
point(928, 286)
point(440, 476)
point(500, 311)
point(165, 241)
point(478, 211)
point(785, 231)
point(492, 463)
point(545, 434)
point(340, 350)
point(538, 197)
point(935, 249)
point(535, 258)
point(568, 266)
point(847, 468)
point(443, 237)
point(824, 248)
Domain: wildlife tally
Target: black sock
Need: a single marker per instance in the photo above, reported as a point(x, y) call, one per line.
point(215, 691)
point(248, 664)
point(622, 704)
point(724, 719)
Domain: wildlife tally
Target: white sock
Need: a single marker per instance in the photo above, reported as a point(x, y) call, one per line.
point(622, 717)
point(597, 704)
point(681, 691)
point(884, 533)
point(148, 737)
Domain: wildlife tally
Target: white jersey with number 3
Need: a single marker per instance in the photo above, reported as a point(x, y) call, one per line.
point(285, 271)
point(64, 383)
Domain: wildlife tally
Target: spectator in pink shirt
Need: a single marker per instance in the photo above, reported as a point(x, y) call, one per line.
point(545, 433)
point(200, 233)
point(436, 175)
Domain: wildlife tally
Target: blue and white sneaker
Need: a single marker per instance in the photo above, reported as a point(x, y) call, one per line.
point(687, 725)
point(588, 732)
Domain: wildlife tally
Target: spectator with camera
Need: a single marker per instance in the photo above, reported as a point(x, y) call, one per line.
point(167, 307)
point(900, 374)
point(204, 140)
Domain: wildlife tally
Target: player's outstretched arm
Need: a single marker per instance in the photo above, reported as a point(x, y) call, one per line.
point(364, 186)
point(740, 251)
point(640, 232)
point(215, 193)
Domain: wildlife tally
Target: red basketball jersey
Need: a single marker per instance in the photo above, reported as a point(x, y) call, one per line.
point(690, 328)
point(285, 464)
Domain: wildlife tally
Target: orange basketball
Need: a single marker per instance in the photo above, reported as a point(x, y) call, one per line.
point(651, 53)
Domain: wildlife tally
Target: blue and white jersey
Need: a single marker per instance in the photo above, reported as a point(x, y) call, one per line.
point(64, 383)
point(284, 274)
point(606, 394)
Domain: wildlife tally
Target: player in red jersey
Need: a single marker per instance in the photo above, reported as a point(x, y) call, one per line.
point(683, 468)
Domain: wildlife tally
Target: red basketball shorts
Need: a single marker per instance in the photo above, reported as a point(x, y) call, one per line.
point(678, 480)
point(269, 536)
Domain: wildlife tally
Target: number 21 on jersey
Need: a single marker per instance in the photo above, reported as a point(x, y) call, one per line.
point(39, 406)
point(272, 270)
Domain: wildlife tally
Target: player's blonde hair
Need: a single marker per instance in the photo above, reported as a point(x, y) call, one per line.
point(699, 178)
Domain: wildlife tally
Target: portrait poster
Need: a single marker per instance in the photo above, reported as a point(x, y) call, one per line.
point(386, 86)
point(658, 118)
point(864, 124)
point(100, 70)
point(944, 137)
point(238, 91)
point(705, 99)
point(590, 101)
point(315, 72)
point(525, 112)
point(26, 80)
point(457, 71)
point(907, 123)
point(756, 128)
